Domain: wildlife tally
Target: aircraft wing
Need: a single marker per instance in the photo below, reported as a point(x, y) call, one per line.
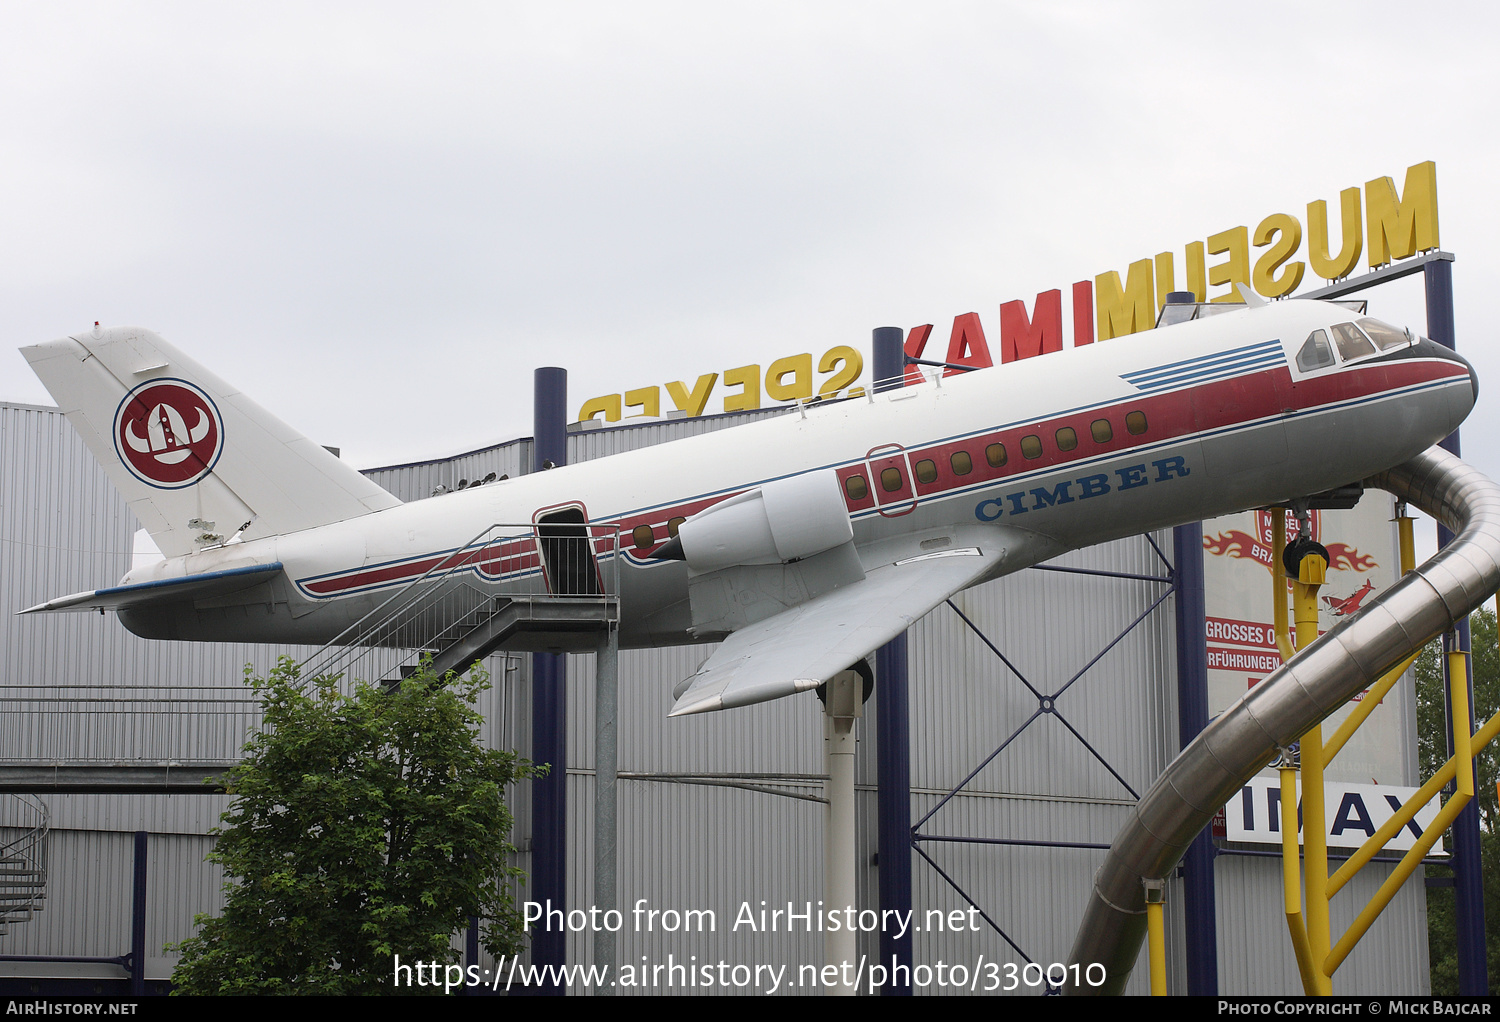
point(167, 590)
point(803, 646)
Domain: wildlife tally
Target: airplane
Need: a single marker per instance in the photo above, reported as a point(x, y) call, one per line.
point(804, 541)
point(1347, 605)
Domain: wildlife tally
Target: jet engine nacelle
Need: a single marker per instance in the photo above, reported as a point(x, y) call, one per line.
point(785, 520)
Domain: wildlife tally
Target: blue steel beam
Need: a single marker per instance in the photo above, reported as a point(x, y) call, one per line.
point(1046, 704)
point(1025, 842)
point(1103, 574)
point(1094, 752)
point(549, 709)
point(975, 772)
point(1199, 909)
point(974, 904)
point(1114, 642)
point(138, 918)
point(1468, 872)
point(893, 745)
point(893, 739)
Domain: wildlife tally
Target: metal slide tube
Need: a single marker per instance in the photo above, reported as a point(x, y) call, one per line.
point(1373, 698)
point(1273, 714)
point(1367, 706)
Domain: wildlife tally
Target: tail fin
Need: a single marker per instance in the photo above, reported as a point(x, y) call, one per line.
point(196, 459)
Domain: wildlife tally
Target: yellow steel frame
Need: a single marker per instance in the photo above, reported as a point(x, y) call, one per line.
point(1316, 959)
point(1156, 935)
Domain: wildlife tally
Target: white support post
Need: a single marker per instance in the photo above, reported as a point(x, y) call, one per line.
point(840, 868)
point(606, 765)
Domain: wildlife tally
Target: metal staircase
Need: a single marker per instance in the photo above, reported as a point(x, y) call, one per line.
point(24, 823)
point(549, 585)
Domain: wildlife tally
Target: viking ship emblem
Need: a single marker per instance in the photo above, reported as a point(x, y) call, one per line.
point(168, 432)
point(167, 438)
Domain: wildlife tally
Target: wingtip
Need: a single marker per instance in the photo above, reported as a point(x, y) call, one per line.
point(69, 602)
point(707, 702)
point(703, 703)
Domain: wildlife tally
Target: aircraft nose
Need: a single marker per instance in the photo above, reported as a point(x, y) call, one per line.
point(1426, 348)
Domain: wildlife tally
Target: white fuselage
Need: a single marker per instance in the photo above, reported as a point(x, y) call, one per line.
point(1072, 449)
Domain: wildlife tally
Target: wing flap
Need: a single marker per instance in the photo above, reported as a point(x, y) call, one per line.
point(804, 646)
point(166, 590)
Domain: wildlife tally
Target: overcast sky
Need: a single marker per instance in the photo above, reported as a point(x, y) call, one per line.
point(378, 219)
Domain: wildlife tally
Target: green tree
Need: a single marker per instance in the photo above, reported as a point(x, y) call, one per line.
point(363, 827)
point(1432, 744)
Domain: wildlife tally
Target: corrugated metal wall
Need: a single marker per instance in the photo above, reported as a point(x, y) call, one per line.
point(1045, 785)
point(419, 479)
point(80, 687)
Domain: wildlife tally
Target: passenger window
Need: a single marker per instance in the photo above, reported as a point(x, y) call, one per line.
point(643, 535)
point(962, 463)
point(1135, 423)
point(890, 479)
point(1316, 352)
point(673, 525)
point(926, 471)
point(995, 455)
point(1384, 335)
point(1352, 344)
point(1031, 446)
point(1067, 438)
point(856, 487)
point(1102, 430)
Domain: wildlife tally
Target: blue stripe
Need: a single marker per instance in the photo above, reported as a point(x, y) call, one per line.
point(1257, 346)
point(1218, 356)
point(946, 495)
point(1026, 478)
point(208, 576)
point(1212, 373)
point(1146, 376)
point(1251, 357)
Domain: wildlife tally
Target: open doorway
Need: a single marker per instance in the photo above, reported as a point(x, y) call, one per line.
point(568, 553)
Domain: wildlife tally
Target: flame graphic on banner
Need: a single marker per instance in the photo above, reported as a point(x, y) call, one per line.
point(1235, 543)
point(1238, 544)
point(1342, 555)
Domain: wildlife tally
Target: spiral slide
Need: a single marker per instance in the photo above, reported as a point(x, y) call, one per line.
point(1274, 714)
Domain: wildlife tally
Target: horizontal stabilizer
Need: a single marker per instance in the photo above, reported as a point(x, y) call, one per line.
point(804, 646)
point(162, 591)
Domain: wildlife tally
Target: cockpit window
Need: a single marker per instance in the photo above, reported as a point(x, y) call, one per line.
point(1316, 353)
point(1384, 335)
point(1352, 344)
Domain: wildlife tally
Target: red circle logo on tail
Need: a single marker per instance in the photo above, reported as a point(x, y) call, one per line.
point(168, 433)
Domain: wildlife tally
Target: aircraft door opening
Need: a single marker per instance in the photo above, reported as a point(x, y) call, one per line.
point(568, 552)
point(891, 480)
